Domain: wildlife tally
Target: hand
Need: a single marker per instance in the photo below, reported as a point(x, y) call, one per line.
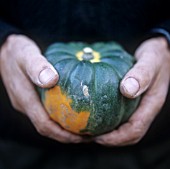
point(21, 65)
point(151, 74)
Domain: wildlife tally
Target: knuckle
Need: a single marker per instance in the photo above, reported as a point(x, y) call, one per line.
point(30, 70)
point(135, 140)
point(144, 76)
point(36, 65)
point(42, 129)
point(45, 128)
point(136, 135)
point(63, 137)
point(108, 141)
point(11, 38)
point(45, 131)
point(15, 105)
point(40, 123)
point(63, 140)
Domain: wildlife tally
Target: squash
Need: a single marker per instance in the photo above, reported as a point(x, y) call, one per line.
point(86, 99)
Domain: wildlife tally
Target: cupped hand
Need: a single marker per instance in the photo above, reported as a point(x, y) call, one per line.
point(22, 66)
point(150, 76)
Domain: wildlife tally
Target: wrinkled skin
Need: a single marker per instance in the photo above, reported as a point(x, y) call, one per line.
point(150, 75)
point(22, 66)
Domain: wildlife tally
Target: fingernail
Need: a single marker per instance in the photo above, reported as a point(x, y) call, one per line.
point(130, 86)
point(46, 75)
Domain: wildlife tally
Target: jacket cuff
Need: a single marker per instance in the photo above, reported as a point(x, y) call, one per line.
point(161, 32)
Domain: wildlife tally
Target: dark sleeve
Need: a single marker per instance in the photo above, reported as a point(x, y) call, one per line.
point(7, 29)
point(162, 29)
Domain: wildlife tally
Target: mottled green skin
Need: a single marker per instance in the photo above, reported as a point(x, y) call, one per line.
point(107, 107)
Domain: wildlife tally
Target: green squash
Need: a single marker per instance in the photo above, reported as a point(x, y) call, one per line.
point(86, 99)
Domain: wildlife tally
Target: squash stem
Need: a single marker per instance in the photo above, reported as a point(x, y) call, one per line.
point(87, 54)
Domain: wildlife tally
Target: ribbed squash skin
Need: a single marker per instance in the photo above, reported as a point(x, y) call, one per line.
point(86, 99)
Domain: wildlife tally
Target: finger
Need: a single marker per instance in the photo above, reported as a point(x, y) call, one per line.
point(46, 127)
point(39, 70)
point(42, 122)
point(26, 100)
point(139, 78)
point(133, 131)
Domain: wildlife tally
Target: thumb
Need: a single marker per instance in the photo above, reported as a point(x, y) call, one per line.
point(39, 70)
point(139, 78)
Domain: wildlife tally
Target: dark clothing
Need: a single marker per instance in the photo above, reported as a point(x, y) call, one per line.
point(125, 21)
point(46, 21)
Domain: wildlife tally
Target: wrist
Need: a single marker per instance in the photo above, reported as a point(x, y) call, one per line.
point(15, 39)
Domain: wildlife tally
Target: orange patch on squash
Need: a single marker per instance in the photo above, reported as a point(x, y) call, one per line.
point(59, 109)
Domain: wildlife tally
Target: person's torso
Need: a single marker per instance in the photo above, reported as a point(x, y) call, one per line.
point(49, 21)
